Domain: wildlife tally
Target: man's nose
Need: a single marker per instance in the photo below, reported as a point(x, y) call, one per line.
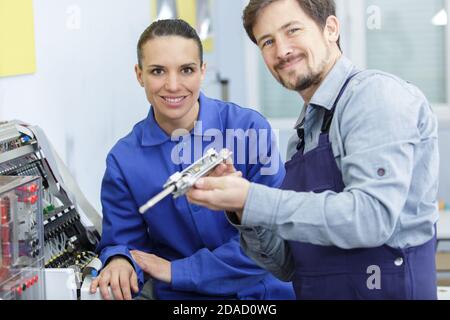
point(283, 49)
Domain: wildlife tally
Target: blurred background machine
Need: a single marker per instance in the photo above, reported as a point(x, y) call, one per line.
point(70, 226)
point(21, 239)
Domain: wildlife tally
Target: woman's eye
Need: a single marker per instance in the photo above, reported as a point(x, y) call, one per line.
point(157, 72)
point(294, 30)
point(187, 70)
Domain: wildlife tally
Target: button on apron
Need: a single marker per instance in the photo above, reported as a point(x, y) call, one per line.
point(398, 262)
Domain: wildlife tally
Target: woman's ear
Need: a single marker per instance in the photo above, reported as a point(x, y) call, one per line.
point(138, 71)
point(203, 70)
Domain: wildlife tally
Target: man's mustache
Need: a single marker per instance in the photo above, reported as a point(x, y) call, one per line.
point(288, 60)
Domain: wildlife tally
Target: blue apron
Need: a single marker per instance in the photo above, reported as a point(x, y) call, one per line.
point(331, 273)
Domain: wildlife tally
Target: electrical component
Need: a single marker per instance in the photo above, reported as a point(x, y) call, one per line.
point(22, 238)
point(180, 182)
point(71, 226)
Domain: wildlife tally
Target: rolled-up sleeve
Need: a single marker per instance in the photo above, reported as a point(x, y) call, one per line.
point(379, 134)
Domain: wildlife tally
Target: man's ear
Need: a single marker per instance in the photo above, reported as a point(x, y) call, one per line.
point(332, 29)
point(138, 71)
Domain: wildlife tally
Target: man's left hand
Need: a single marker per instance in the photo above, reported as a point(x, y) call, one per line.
point(155, 266)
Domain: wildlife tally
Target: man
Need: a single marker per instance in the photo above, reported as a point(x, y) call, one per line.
point(356, 216)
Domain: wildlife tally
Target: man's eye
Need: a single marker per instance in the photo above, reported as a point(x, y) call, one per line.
point(293, 30)
point(267, 43)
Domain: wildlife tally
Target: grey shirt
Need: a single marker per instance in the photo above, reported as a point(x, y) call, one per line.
point(384, 140)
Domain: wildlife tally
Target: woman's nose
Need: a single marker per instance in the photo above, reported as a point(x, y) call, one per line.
point(172, 83)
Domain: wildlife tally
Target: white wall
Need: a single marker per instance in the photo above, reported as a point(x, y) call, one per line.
point(84, 94)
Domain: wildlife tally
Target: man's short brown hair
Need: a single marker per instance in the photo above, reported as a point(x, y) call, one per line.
point(317, 10)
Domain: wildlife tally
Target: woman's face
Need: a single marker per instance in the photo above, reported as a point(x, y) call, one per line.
point(172, 75)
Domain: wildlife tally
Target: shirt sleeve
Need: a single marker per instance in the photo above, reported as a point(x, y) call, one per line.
point(266, 248)
point(227, 269)
point(378, 128)
point(223, 271)
point(124, 229)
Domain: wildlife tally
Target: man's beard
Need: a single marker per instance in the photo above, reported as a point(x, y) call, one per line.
point(302, 82)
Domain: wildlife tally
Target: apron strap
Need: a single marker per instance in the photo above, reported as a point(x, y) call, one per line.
point(328, 117)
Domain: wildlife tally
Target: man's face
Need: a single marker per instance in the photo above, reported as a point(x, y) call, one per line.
point(295, 49)
point(172, 75)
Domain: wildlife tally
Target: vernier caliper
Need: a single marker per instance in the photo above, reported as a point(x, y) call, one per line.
point(180, 182)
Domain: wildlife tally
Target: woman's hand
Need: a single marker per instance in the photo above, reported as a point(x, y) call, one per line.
point(118, 274)
point(155, 266)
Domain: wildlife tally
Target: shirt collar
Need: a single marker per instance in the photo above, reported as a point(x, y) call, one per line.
point(208, 118)
point(327, 93)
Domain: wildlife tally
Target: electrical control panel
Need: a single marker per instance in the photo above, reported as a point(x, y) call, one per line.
point(70, 225)
point(21, 239)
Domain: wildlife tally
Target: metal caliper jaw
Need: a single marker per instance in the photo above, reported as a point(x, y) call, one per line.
point(180, 182)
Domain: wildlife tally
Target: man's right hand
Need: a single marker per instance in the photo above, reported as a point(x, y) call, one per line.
point(225, 169)
point(119, 274)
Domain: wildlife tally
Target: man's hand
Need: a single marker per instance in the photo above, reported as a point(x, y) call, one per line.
point(120, 275)
point(223, 169)
point(155, 266)
point(227, 193)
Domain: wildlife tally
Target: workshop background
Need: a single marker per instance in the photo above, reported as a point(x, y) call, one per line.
point(74, 76)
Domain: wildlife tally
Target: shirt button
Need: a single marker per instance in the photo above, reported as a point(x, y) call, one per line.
point(381, 172)
point(398, 262)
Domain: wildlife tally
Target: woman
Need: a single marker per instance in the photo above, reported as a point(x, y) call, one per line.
point(188, 251)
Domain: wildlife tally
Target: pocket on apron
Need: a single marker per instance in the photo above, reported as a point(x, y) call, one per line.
point(353, 286)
